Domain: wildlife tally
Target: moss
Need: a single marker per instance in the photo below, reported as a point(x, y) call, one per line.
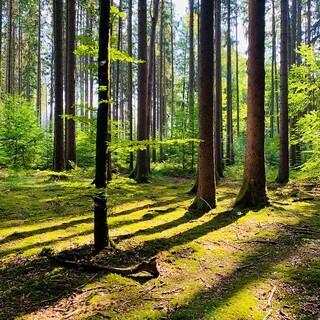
point(220, 265)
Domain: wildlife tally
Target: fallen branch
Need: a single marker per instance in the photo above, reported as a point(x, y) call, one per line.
point(268, 315)
point(150, 266)
point(269, 302)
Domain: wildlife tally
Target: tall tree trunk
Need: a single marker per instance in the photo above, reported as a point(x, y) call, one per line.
point(151, 66)
point(161, 82)
point(70, 84)
point(130, 76)
point(309, 22)
point(172, 67)
point(237, 73)
point(58, 164)
point(206, 196)
point(218, 91)
point(39, 63)
point(117, 95)
point(253, 190)
point(230, 155)
point(142, 174)
point(191, 79)
point(101, 231)
point(272, 92)
point(283, 175)
point(10, 48)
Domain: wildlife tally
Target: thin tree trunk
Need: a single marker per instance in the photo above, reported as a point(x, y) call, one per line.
point(70, 82)
point(151, 66)
point(218, 91)
point(39, 63)
point(230, 155)
point(10, 48)
point(58, 88)
point(172, 68)
point(142, 174)
point(283, 175)
point(191, 80)
point(101, 231)
point(130, 90)
point(237, 73)
point(272, 93)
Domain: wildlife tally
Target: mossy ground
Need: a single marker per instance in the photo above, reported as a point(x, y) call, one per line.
point(221, 266)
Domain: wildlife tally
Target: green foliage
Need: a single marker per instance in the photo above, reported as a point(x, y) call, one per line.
point(304, 101)
point(23, 142)
point(86, 148)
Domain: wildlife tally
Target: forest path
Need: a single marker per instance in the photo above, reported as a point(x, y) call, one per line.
point(224, 265)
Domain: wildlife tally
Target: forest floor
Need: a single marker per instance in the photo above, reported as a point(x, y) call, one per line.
point(225, 265)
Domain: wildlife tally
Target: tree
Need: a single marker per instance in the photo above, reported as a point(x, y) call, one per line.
point(142, 171)
point(253, 190)
point(191, 77)
point(70, 85)
point(151, 70)
point(218, 92)
point(130, 76)
point(58, 164)
point(283, 175)
point(101, 231)
point(38, 64)
point(206, 196)
point(10, 49)
point(229, 151)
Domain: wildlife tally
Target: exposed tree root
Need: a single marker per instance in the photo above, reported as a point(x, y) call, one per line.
point(150, 266)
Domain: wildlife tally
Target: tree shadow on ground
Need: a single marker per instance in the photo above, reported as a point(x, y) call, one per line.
point(254, 266)
point(28, 285)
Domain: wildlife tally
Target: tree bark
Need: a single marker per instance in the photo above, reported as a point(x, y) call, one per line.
point(283, 175)
point(218, 91)
point(142, 174)
point(230, 155)
point(191, 80)
point(101, 230)
point(206, 196)
point(58, 88)
point(130, 76)
point(70, 83)
point(253, 190)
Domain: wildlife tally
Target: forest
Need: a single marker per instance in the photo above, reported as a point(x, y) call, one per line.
point(160, 159)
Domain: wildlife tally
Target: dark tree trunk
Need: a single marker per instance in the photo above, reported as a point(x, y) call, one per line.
point(191, 79)
point(237, 74)
point(218, 91)
point(130, 76)
point(58, 87)
point(151, 71)
point(101, 231)
point(283, 175)
point(172, 67)
point(272, 92)
point(142, 174)
point(206, 196)
point(253, 190)
point(10, 48)
point(70, 84)
point(161, 83)
point(39, 63)
point(230, 155)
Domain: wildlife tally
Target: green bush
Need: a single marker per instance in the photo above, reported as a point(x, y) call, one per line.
point(23, 143)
